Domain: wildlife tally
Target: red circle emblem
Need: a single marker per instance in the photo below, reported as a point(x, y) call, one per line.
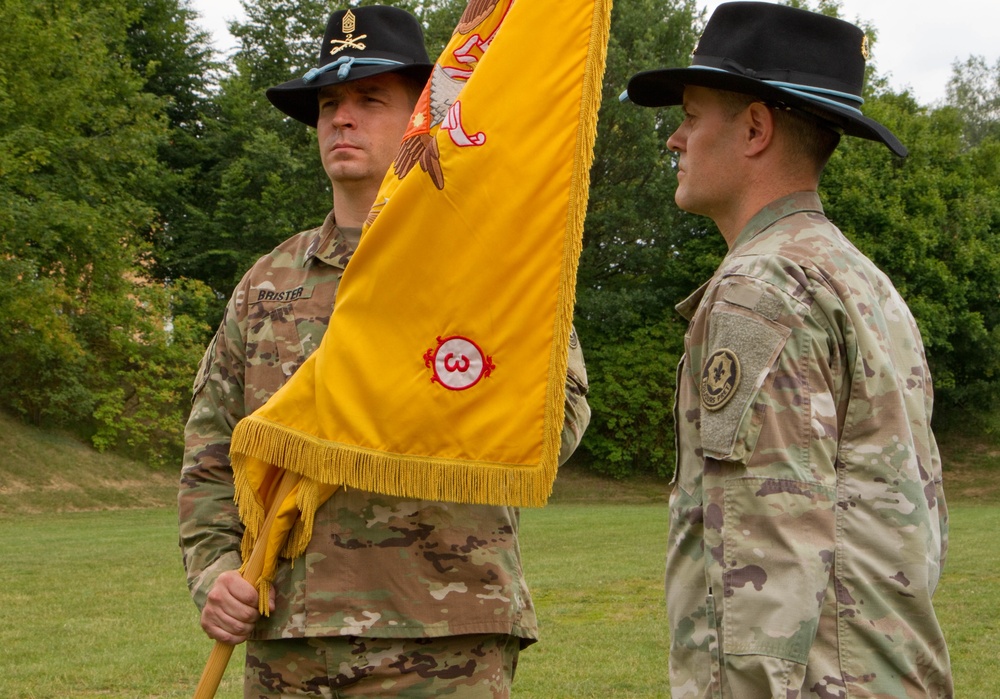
point(458, 363)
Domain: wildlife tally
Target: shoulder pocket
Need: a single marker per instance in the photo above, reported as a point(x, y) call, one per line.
point(743, 346)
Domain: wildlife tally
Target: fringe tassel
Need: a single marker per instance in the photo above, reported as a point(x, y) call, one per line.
point(251, 511)
point(263, 593)
point(426, 478)
point(590, 103)
point(307, 500)
point(263, 585)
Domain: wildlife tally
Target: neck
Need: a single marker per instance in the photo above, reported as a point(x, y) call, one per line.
point(764, 189)
point(351, 234)
point(353, 202)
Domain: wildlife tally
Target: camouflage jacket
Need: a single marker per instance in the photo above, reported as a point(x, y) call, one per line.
point(807, 521)
point(377, 566)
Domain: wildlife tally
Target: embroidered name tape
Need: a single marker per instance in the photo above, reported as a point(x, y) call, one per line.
point(258, 295)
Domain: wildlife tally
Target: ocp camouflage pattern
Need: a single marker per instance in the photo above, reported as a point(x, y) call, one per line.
point(808, 524)
point(464, 667)
point(377, 566)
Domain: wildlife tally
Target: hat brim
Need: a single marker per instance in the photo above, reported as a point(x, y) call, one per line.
point(300, 99)
point(665, 88)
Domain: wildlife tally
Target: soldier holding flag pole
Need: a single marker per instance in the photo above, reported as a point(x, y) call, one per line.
point(441, 394)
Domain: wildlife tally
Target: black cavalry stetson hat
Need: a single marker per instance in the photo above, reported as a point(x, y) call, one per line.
point(359, 42)
point(783, 55)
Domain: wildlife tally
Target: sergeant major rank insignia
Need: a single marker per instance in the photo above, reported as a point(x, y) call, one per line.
point(720, 379)
point(349, 23)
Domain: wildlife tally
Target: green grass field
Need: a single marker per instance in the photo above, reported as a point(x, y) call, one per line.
point(93, 603)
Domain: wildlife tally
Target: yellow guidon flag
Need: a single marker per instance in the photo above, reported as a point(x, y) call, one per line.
point(442, 374)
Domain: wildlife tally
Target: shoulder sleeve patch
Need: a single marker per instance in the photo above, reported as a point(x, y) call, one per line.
point(742, 349)
point(720, 379)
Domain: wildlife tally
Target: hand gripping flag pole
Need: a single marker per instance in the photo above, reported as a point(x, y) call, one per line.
point(251, 571)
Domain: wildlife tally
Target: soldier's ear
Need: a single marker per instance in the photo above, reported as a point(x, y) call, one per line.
point(758, 119)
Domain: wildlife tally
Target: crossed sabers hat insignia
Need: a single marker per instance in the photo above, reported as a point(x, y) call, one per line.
point(349, 43)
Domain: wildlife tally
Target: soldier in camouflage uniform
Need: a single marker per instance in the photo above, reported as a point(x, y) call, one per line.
point(808, 526)
point(394, 597)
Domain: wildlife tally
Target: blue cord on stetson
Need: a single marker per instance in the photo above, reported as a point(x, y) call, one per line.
point(785, 56)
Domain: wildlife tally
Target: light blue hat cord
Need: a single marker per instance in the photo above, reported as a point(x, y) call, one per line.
point(815, 94)
point(344, 65)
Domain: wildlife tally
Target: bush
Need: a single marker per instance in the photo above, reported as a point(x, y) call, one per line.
point(631, 396)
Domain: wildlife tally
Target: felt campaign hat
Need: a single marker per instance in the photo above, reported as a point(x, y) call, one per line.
point(785, 56)
point(359, 42)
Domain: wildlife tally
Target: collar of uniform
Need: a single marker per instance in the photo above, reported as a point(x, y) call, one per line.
point(774, 212)
point(330, 246)
point(764, 219)
point(688, 306)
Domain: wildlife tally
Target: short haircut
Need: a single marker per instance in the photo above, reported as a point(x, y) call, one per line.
point(808, 135)
point(414, 85)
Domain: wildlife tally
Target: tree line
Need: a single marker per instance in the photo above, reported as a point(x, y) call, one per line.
point(141, 174)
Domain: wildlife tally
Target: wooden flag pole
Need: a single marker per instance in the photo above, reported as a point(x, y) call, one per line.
point(218, 659)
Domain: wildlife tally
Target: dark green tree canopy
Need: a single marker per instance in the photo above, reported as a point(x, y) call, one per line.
point(141, 175)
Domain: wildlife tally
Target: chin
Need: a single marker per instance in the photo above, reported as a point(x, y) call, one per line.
point(338, 172)
point(681, 200)
point(688, 205)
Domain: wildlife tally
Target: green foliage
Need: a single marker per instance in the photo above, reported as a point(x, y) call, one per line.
point(974, 89)
point(43, 362)
point(930, 222)
point(174, 58)
point(633, 230)
point(79, 144)
point(175, 62)
point(140, 176)
point(143, 412)
point(631, 395)
point(259, 178)
point(77, 139)
point(641, 255)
